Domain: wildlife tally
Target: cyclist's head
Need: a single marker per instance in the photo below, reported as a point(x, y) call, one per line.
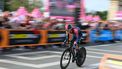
point(68, 27)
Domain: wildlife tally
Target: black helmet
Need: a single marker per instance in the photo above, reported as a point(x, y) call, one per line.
point(69, 26)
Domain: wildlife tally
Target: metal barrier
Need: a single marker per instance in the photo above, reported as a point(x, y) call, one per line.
point(118, 34)
point(12, 38)
point(104, 35)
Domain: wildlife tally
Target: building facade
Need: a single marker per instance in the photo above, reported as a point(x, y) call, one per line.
point(1, 5)
point(115, 5)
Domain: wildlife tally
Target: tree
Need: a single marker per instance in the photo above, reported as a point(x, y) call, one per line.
point(13, 5)
point(102, 14)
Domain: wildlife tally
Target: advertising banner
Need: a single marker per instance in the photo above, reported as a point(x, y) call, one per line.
point(63, 7)
point(56, 36)
point(0, 37)
point(104, 35)
point(118, 35)
point(23, 37)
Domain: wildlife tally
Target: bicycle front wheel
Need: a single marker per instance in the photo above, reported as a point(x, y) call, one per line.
point(65, 59)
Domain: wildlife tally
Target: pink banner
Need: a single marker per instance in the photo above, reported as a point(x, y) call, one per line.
point(83, 13)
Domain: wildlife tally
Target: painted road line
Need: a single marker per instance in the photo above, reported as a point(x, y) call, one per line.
point(49, 64)
point(95, 52)
point(3, 68)
point(111, 51)
point(54, 52)
point(40, 52)
point(91, 66)
point(18, 63)
point(31, 65)
point(94, 56)
point(46, 57)
point(103, 45)
point(29, 53)
point(36, 58)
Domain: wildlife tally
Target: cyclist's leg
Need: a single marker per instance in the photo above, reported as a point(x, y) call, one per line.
point(73, 52)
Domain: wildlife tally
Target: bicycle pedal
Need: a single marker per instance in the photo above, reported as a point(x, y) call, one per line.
point(73, 60)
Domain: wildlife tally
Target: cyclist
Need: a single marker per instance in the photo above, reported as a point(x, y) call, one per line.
point(76, 35)
point(77, 54)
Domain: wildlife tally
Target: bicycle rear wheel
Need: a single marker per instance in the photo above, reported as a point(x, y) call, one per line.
point(81, 56)
point(65, 59)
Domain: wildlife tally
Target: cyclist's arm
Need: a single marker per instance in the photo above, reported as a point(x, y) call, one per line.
point(66, 39)
point(77, 34)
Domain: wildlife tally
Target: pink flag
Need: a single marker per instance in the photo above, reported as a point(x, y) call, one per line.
point(89, 18)
point(36, 13)
point(96, 18)
point(22, 11)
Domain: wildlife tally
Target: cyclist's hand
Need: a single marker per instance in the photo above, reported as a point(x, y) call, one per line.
point(75, 43)
point(63, 44)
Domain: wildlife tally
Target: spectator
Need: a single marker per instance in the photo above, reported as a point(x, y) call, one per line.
point(99, 28)
point(106, 27)
point(85, 26)
point(7, 25)
point(22, 26)
point(1, 22)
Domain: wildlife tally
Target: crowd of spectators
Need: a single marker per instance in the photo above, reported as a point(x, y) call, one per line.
point(11, 21)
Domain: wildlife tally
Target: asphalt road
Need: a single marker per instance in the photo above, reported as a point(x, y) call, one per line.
point(49, 58)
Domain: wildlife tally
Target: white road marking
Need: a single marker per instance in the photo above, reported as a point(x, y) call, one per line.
point(31, 65)
point(91, 66)
point(34, 65)
point(95, 52)
point(36, 58)
point(111, 51)
point(40, 52)
point(46, 57)
point(94, 65)
point(18, 63)
point(49, 64)
point(3, 68)
point(103, 45)
point(94, 56)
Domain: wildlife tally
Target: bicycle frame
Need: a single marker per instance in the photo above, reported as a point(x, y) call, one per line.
point(73, 52)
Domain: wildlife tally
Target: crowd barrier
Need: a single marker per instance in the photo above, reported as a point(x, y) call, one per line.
point(118, 35)
point(12, 38)
point(104, 35)
point(110, 61)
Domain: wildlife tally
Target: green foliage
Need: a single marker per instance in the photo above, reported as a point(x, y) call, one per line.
point(102, 14)
point(13, 5)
